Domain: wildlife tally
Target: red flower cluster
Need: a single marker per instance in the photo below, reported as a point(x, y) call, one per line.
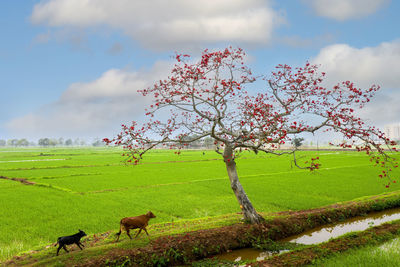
point(208, 98)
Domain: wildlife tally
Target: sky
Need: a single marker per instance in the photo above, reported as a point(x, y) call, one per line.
point(71, 68)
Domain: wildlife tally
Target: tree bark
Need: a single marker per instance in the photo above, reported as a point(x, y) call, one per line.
point(249, 212)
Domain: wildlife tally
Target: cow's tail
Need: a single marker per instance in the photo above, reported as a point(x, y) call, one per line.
point(120, 228)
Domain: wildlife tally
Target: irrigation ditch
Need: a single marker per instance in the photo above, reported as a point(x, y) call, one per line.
point(314, 236)
point(200, 247)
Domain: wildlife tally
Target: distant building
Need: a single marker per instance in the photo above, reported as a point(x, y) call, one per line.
point(392, 131)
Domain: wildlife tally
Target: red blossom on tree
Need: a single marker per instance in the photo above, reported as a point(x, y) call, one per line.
point(208, 98)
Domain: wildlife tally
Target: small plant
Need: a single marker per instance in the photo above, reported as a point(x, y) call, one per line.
point(274, 246)
point(176, 255)
point(159, 261)
point(213, 262)
point(310, 220)
point(198, 250)
point(126, 261)
point(321, 251)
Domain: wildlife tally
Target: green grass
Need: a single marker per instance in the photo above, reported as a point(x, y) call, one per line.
point(384, 255)
point(91, 189)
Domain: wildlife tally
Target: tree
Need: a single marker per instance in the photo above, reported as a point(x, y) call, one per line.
point(76, 142)
point(23, 142)
point(12, 142)
point(297, 141)
point(208, 98)
point(44, 142)
point(60, 141)
point(208, 142)
point(53, 142)
point(2, 142)
point(97, 142)
point(68, 142)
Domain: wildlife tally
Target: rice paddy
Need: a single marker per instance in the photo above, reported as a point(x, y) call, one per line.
point(92, 189)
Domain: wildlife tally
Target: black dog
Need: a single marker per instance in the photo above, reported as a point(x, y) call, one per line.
point(71, 239)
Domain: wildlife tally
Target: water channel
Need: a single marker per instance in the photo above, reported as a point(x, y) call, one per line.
point(319, 234)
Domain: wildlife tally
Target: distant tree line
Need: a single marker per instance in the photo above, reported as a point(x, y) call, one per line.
point(15, 142)
point(201, 143)
point(207, 143)
point(49, 142)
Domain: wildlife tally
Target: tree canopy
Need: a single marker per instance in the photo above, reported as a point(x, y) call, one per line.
point(212, 98)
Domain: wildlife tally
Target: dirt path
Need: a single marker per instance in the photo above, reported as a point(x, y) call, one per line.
point(21, 180)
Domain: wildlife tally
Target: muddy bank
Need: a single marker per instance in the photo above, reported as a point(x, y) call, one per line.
point(21, 180)
point(185, 248)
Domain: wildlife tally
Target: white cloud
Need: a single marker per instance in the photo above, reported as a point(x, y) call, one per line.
point(91, 109)
point(383, 109)
point(366, 66)
point(345, 9)
point(160, 24)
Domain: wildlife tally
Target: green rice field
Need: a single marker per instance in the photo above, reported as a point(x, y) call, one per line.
point(92, 189)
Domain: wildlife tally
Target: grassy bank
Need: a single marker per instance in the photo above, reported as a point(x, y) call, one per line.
point(374, 254)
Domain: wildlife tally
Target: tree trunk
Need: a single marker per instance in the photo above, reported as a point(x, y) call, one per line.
point(248, 210)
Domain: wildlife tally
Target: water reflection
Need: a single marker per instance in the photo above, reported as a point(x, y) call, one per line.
point(326, 232)
point(318, 235)
point(246, 254)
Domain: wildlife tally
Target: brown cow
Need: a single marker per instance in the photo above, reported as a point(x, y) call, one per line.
point(140, 222)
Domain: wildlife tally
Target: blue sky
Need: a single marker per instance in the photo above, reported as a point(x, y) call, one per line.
point(71, 68)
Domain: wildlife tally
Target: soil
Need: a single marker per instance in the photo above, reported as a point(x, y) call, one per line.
point(21, 180)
